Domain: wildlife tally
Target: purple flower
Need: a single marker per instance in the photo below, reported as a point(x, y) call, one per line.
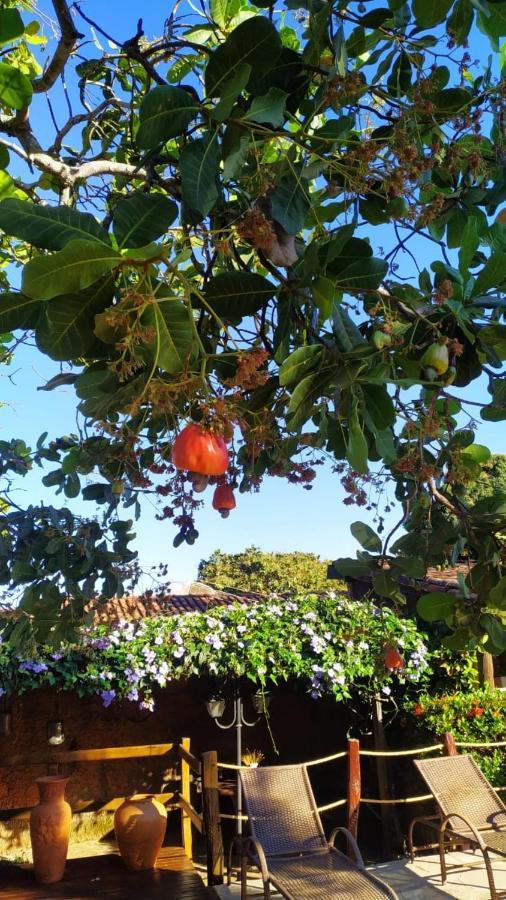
point(179, 652)
point(148, 654)
point(57, 655)
point(2, 691)
point(215, 641)
point(100, 643)
point(33, 666)
point(133, 694)
point(176, 636)
point(159, 639)
point(107, 697)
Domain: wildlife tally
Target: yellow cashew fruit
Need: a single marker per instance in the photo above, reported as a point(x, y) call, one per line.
point(436, 357)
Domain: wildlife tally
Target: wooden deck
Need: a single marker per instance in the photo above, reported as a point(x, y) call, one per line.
point(105, 876)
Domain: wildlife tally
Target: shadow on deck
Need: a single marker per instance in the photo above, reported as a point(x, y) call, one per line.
point(104, 875)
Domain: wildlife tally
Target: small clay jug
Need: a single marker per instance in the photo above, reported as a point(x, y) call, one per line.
point(140, 824)
point(50, 829)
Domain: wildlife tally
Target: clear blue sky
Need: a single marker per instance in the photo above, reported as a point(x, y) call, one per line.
point(282, 517)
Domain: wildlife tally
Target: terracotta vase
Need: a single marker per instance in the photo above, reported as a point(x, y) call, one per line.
point(140, 824)
point(50, 829)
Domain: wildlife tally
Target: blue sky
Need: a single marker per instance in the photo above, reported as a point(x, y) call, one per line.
point(282, 517)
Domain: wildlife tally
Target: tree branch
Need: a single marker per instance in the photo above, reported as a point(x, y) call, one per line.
point(65, 46)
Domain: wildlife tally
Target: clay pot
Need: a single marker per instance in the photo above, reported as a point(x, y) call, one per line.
point(140, 824)
point(50, 829)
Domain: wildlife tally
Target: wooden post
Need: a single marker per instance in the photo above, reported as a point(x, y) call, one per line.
point(354, 786)
point(449, 747)
point(487, 670)
point(212, 823)
point(186, 825)
point(391, 832)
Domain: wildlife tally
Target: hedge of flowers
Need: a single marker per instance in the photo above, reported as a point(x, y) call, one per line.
point(477, 716)
point(333, 645)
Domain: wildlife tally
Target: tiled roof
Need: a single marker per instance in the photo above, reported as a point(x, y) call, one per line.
point(149, 605)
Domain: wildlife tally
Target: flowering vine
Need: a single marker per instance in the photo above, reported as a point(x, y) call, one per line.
point(332, 645)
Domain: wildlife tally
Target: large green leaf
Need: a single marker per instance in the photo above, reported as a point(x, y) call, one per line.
point(366, 537)
point(199, 165)
point(11, 25)
point(234, 295)
point(300, 363)
point(495, 631)
point(70, 270)
point(269, 109)
point(18, 311)
point(357, 451)
point(290, 203)
point(102, 394)
point(65, 330)
point(15, 88)
point(492, 275)
point(255, 41)
point(223, 10)
point(165, 113)
point(49, 227)
point(363, 274)
point(435, 606)
point(230, 92)
point(430, 12)
point(304, 397)
point(379, 405)
point(172, 344)
point(141, 218)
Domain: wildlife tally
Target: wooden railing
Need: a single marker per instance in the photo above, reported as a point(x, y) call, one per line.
point(178, 799)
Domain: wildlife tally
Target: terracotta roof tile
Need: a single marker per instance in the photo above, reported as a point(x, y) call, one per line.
point(150, 605)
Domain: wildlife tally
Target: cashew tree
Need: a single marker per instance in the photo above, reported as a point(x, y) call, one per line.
point(279, 222)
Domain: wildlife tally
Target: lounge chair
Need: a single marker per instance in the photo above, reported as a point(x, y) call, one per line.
point(470, 810)
point(288, 844)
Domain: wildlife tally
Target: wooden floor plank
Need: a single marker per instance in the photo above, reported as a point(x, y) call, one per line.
point(106, 878)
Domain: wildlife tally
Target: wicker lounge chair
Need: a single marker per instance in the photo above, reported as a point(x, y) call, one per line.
point(470, 810)
point(288, 844)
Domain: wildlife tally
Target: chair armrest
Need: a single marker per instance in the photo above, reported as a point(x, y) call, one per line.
point(351, 842)
point(472, 829)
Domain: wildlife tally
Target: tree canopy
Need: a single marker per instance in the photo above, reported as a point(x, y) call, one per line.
point(255, 570)
point(281, 221)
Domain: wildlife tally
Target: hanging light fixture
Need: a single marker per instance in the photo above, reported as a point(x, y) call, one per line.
point(55, 732)
point(260, 702)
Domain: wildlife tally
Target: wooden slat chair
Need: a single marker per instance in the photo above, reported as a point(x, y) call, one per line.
point(470, 810)
point(288, 844)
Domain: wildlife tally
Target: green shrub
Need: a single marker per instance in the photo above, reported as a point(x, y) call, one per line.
point(477, 716)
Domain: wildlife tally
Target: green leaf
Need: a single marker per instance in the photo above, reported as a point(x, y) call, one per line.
point(300, 363)
point(492, 275)
point(290, 203)
point(233, 295)
point(72, 485)
point(255, 41)
point(435, 606)
point(173, 343)
point(460, 21)
point(384, 442)
point(475, 455)
point(357, 451)
point(15, 88)
point(230, 92)
point(303, 399)
point(347, 335)
point(141, 218)
point(199, 164)
point(366, 537)
point(386, 586)
point(72, 269)
point(363, 274)
point(269, 109)
point(165, 113)
point(11, 26)
point(65, 330)
point(494, 336)
point(495, 631)
point(18, 311)
point(49, 227)
point(223, 10)
point(469, 243)
point(430, 12)
point(350, 568)
point(8, 187)
point(379, 405)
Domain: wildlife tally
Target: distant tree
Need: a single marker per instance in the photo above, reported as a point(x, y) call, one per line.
point(490, 481)
point(254, 570)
